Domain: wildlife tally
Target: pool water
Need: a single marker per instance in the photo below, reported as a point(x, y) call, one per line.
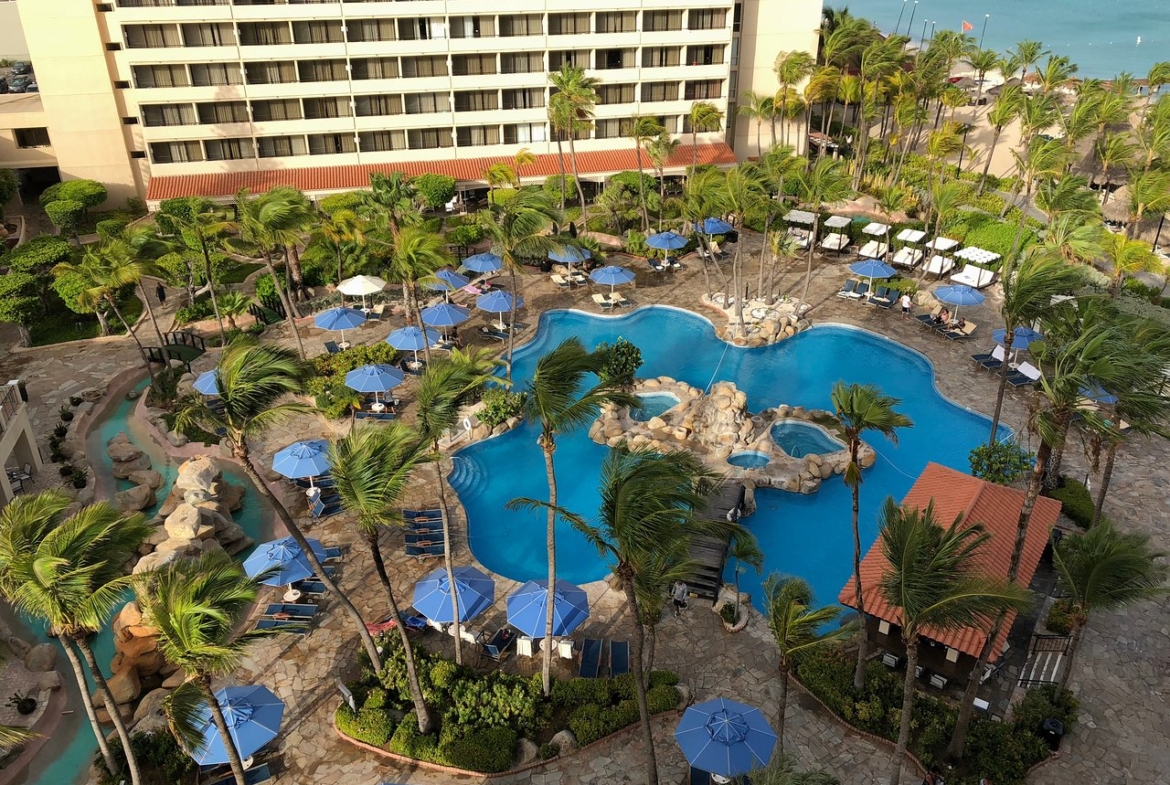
point(749, 459)
point(799, 439)
point(653, 405)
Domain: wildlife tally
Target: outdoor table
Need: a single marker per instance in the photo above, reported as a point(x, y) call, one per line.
point(378, 407)
point(290, 596)
point(343, 345)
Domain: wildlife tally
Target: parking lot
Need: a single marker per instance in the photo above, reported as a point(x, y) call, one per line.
point(18, 78)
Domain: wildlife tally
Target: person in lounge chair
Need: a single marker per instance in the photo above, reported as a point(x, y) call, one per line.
point(942, 317)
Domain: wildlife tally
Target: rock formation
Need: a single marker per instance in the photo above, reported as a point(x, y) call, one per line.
point(130, 463)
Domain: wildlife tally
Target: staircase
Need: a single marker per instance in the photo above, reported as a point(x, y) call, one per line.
point(1045, 658)
point(710, 553)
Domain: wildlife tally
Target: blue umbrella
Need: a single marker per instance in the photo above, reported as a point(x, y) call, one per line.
point(666, 241)
point(871, 269)
point(611, 276)
point(1022, 337)
point(207, 382)
point(282, 561)
point(411, 339)
point(339, 319)
point(474, 591)
point(374, 379)
point(307, 458)
point(499, 302)
point(253, 716)
point(957, 295)
point(1097, 394)
point(448, 281)
point(483, 263)
point(528, 606)
point(445, 315)
point(724, 737)
point(570, 254)
point(715, 226)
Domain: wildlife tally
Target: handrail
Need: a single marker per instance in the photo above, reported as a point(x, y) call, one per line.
point(10, 405)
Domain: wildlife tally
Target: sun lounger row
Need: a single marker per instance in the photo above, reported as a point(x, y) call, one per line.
point(607, 301)
point(493, 332)
point(411, 623)
point(287, 617)
point(669, 263)
point(591, 655)
point(426, 549)
point(881, 296)
point(572, 279)
point(1023, 374)
point(257, 775)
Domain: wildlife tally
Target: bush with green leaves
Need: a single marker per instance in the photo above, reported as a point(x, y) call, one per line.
point(337, 400)
point(552, 187)
point(346, 200)
point(592, 722)
point(20, 303)
point(197, 311)
point(489, 750)
point(467, 234)
point(548, 751)
point(265, 286)
point(159, 756)
point(90, 193)
point(1042, 703)
point(409, 743)
point(999, 747)
point(1061, 618)
point(579, 690)
point(661, 698)
point(66, 214)
point(635, 243)
point(435, 190)
point(39, 255)
point(502, 196)
point(8, 187)
point(1001, 462)
point(372, 726)
point(500, 404)
point(110, 228)
point(1076, 501)
point(630, 180)
point(902, 286)
point(621, 361)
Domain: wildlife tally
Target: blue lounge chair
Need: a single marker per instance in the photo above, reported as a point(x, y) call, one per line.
point(493, 334)
point(497, 648)
point(860, 292)
point(847, 289)
point(414, 623)
point(296, 611)
point(590, 659)
point(257, 775)
point(332, 347)
point(619, 658)
point(297, 626)
point(426, 527)
point(425, 538)
point(428, 514)
point(982, 357)
point(324, 507)
point(309, 588)
point(330, 571)
point(333, 554)
point(421, 552)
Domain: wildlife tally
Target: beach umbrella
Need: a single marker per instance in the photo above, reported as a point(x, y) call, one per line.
point(1097, 394)
point(715, 226)
point(361, 285)
point(871, 269)
point(282, 561)
point(483, 263)
point(499, 302)
point(308, 458)
point(374, 379)
point(252, 715)
point(339, 320)
point(528, 606)
point(411, 339)
point(724, 737)
point(445, 315)
point(447, 281)
point(207, 383)
point(958, 295)
point(570, 254)
point(1022, 337)
point(666, 241)
point(474, 592)
point(611, 276)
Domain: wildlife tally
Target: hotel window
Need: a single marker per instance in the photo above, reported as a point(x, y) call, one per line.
point(521, 62)
point(221, 112)
point(705, 55)
point(277, 110)
point(318, 32)
point(578, 58)
point(477, 135)
point(175, 152)
point(378, 105)
point(476, 100)
point(612, 129)
point(524, 98)
point(331, 144)
point(524, 133)
point(706, 90)
point(661, 56)
point(265, 33)
point(661, 21)
point(221, 34)
point(660, 91)
point(382, 141)
point(473, 65)
point(473, 26)
point(147, 76)
point(608, 59)
point(735, 51)
point(422, 29)
point(616, 22)
point(271, 72)
point(616, 94)
point(568, 24)
point(326, 108)
point(151, 36)
point(229, 149)
point(427, 103)
point(429, 138)
point(521, 24)
point(387, 67)
point(737, 18)
point(157, 115)
point(707, 19)
point(216, 74)
point(32, 137)
point(281, 146)
point(322, 70)
point(424, 66)
point(361, 30)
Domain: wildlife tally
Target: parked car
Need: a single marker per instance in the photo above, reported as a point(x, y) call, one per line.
point(32, 87)
point(19, 84)
point(20, 67)
point(3, 85)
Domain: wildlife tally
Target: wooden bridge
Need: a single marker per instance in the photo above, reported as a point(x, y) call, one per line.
point(710, 553)
point(180, 345)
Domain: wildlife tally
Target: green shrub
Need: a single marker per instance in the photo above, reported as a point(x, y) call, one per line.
point(1000, 462)
point(434, 189)
point(111, 227)
point(160, 759)
point(1061, 617)
point(663, 678)
point(580, 691)
point(636, 243)
point(375, 699)
point(1076, 501)
point(354, 357)
point(1041, 703)
point(265, 286)
point(661, 698)
point(408, 742)
point(998, 747)
point(346, 200)
point(488, 750)
point(592, 722)
point(998, 237)
point(552, 188)
point(500, 404)
point(371, 726)
point(549, 751)
point(66, 214)
point(336, 400)
point(197, 311)
point(39, 254)
point(496, 700)
point(468, 234)
point(621, 361)
point(902, 286)
point(501, 196)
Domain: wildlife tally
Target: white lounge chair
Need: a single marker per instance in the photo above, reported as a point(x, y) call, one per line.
point(560, 281)
point(618, 299)
point(907, 257)
point(975, 276)
point(834, 242)
point(940, 265)
point(603, 301)
point(874, 250)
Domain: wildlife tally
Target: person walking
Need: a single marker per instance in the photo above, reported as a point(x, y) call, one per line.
point(160, 292)
point(679, 596)
point(906, 303)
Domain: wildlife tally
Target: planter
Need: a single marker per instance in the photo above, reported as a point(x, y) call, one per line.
point(26, 706)
point(66, 416)
point(66, 471)
point(738, 624)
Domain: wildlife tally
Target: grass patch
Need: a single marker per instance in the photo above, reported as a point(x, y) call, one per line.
point(237, 272)
point(59, 324)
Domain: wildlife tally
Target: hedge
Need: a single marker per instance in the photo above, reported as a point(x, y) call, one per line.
point(1076, 501)
point(488, 750)
point(372, 726)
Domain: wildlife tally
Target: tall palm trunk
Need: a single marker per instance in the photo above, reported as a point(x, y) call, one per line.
point(640, 678)
point(1008, 337)
point(737, 280)
point(292, 261)
point(1078, 631)
point(422, 712)
point(284, 301)
point(99, 680)
point(694, 151)
point(87, 701)
point(1106, 476)
point(512, 327)
point(577, 181)
point(987, 164)
point(211, 284)
point(241, 453)
point(448, 561)
point(812, 244)
point(130, 331)
point(1053, 470)
point(221, 725)
point(908, 684)
point(410, 291)
point(642, 186)
point(561, 162)
point(858, 597)
point(661, 197)
point(782, 709)
point(548, 444)
point(763, 251)
point(103, 321)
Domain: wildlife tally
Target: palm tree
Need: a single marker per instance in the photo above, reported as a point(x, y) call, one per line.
point(1026, 54)
point(822, 181)
point(1103, 570)
point(1113, 150)
point(254, 382)
point(642, 130)
point(334, 232)
point(758, 107)
point(130, 257)
point(560, 120)
point(879, 59)
point(791, 69)
point(371, 468)
point(982, 60)
point(745, 197)
point(196, 605)
point(499, 175)
point(199, 222)
point(1149, 192)
point(704, 117)
point(68, 572)
point(1068, 194)
point(861, 408)
point(231, 305)
point(799, 627)
point(559, 403)
point(390, 202)
point(946, 197)
point(1158, 76)
point(1004, 110)
point(575, 114)
point(416, 256)
point(667, 564)
point(1126, 257)
point(933, 581)
point(523, 157)
point(659, 151)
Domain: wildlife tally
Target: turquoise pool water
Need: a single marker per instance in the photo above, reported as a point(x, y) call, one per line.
point(799, 439)
point(809, 536)
point(65, 758)
point(653, 405)
point(749, 459)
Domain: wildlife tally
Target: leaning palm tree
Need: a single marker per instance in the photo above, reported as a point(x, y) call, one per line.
point(642, 130)
point(1103, 570)
point(200, 223)
point(659, 151)
point(130, 257)
point(572, 112)
point(758, 107)
point(68, 572)
point(415, 257)
point(1126, 257)
point(860, 408)
point(390, 203)
point(668, 564)
point(371, 468)
point(255, 383)
point(197, 605)
point(799, 627)
point(933, 581)
point(825, 180)
point(559, 403)
point(703, 118)
point(1003, 112)
point(791, 69)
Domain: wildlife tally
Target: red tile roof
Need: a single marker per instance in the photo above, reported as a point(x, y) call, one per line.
point(320, 179)
point(997, 507)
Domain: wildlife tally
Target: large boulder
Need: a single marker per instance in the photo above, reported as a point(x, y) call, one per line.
point(175, 679)
point(49, 680)
point(129, 616)
point(230, 496)
point(121, 450)
point(124, 686)
point(134, 499)
point(40, 658)
point(565, 741)
point(156, 560)
point(200, 472)
point(147, 664)
point(123, 469)
point(132, 646)
point(184, 523)
point(149, 716)
point(146, 477)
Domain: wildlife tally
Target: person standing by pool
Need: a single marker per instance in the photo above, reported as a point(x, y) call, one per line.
point(679, 596)
point(906, 303)
point(161, 293)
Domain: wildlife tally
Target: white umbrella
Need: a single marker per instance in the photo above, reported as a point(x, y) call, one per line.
point(361, 285)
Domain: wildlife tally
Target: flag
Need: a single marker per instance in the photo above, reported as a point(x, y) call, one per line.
point(967, 26)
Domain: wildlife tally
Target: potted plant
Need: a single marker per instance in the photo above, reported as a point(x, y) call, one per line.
point(731, 616)
point(66, 415)
point(66, 469)
point(60, 430)
point(23, 703)
point(79, 479)
point(74, 400)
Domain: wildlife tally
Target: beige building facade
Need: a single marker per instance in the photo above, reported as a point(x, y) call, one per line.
point(157, 98)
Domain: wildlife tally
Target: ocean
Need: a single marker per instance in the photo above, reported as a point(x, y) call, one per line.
point(1100, 36)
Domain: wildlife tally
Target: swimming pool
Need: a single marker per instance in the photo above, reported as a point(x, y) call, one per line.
point(653, 405)
point(749, 459)
point(810, 536)
point(799, 439)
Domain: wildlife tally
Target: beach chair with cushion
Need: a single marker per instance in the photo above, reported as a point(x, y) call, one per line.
point(672, 262)
point(983, 357)
point(847, 288)
point(376, 312)
point(297, 626)
point(310, 589)
point(619, 658)
point(618, 299)
point(329, 572)
point(429, 514)
point(886, 297)
point(332, 347)
point(290, 610)
point(940, 265)
point(995, 361)
point(927, 319)
point(1025, 375)
point(656, 266)
point(975, 276)
point(565, 649)
point(495, 335)
point(560, 281)
point(434, 537)
point(860, 292)
point(960, 333)
point(907, 257)
point(414, 622)
point(577, 277)
point(603, 301)
point(257, 775)
point(333, 554)
point(425, 526)
point(590, 662)
point(500, 644)
point(421, 552)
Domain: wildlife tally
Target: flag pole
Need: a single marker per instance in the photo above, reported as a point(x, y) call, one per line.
point(986, 17)
point(898, 26)
point(910, 24)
